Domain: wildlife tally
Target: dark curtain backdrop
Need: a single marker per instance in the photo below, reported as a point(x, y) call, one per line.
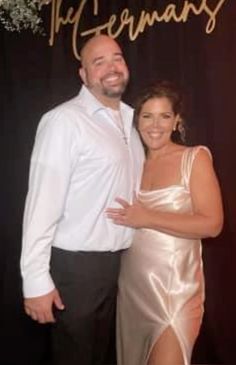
point(34, 77)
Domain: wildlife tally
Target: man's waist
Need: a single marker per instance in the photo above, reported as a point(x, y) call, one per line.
point(91, 246)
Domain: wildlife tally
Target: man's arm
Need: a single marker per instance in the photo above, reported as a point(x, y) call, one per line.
point(48, 186)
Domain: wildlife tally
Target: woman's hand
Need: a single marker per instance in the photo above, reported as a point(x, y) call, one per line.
point(132, 215)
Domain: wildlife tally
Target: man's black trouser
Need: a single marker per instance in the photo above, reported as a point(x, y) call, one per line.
point(87, 283)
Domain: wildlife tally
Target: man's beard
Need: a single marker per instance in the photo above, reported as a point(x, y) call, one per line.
point(115, 92)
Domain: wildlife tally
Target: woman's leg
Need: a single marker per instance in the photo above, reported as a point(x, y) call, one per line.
point(167, 350)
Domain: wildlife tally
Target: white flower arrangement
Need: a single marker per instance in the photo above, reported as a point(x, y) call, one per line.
point(17, 15)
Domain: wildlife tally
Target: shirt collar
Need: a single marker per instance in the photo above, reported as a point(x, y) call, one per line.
point(93, 105)
point(89, 101)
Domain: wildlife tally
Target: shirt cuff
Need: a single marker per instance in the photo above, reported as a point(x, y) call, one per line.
point(35, 287)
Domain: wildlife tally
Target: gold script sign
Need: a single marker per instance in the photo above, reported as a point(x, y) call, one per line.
point(116, 24)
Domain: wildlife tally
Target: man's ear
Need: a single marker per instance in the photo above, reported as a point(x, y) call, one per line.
point(82, 74)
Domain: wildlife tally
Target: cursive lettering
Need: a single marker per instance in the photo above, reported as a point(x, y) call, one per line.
point(117, 24)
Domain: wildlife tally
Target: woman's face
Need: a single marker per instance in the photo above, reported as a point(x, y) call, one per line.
point(156, 122)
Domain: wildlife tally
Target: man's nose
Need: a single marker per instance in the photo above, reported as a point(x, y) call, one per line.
point(111, 65)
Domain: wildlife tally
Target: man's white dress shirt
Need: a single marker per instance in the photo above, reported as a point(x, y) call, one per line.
point(80, 163)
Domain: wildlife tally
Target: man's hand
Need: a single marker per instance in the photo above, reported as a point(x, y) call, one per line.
point(40, 308)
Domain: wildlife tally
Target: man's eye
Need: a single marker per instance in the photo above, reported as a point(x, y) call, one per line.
point(119, 59)
point(166, 116)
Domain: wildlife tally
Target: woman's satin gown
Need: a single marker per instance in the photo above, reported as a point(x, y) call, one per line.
point(161, 282)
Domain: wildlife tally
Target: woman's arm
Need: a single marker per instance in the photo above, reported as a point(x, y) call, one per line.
point(206, 219)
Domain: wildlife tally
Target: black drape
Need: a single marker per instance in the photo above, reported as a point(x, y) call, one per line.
point(35, 76)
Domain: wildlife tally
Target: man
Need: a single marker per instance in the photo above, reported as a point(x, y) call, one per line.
point(86, 153)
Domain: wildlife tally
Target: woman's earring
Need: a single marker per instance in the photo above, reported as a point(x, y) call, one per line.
point(176, 126)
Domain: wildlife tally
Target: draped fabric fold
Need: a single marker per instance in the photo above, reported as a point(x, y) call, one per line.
point(161, 282)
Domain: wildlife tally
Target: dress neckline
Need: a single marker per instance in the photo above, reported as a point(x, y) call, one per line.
point(143, 191)
point(180, 185)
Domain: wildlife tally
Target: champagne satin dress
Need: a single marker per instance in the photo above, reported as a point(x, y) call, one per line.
point(161, 282)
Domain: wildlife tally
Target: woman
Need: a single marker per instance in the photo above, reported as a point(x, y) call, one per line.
point(161, 286)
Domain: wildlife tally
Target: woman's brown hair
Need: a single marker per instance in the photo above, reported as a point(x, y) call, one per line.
point(170, 91)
